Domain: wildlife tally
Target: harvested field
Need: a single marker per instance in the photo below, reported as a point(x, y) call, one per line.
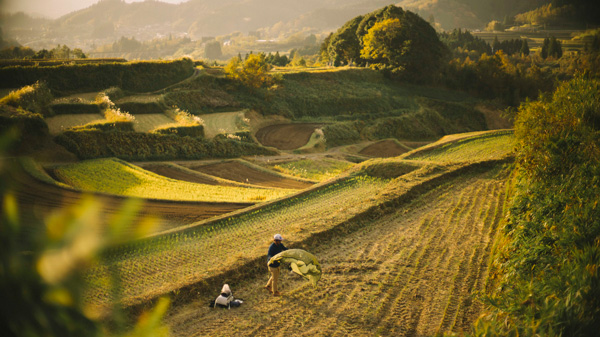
point(60, 123)
point(236, 171)
point(149, 122)
point(37, 199)
point(222, 122)
point(174, 171)
point(286, 136)
point(412, 271)
point(384, 149)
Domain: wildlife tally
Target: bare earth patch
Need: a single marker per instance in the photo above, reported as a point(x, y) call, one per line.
point(233, 170)
point(384, 148)
point(286, 136)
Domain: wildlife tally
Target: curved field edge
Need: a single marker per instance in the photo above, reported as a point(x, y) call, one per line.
point(262, 170)
point(449, 140)
point(240, 266)
point(117, 177)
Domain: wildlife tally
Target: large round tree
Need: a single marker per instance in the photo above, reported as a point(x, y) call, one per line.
point(398, 42)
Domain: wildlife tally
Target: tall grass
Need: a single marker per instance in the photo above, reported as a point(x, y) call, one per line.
point(32, 98)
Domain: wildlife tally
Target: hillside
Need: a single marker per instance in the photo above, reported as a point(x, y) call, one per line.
point(109, 20)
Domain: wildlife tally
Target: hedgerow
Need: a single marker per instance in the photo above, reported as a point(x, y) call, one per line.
point(152, 146)
point(547, 279)
point(139, 76)
point(30, 129)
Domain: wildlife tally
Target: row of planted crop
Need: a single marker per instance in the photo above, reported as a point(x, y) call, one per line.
point(188, 256)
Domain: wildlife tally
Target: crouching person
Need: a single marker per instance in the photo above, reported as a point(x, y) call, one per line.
point(275, 248)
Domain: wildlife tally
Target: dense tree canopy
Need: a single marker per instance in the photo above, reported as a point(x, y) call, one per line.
point(398, 42)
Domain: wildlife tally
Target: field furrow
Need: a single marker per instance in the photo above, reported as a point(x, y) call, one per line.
point(413, 272)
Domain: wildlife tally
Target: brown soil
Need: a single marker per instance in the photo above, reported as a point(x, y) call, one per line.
point(173, 173)
point(412, 272)
point(37, 199)
point(384, 148)
point(233, 170)
point(286, 136)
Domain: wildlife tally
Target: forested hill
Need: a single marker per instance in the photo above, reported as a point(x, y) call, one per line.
point(108, 20)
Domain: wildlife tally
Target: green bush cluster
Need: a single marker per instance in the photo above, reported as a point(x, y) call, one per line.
point(549, 264)
point(182, 131)
point(434, 119)
point(113, 93)
point(344, 133)
point(152, 146)
point(32, 98)
point(142, 76)
point(242, 136)
point(30, 129)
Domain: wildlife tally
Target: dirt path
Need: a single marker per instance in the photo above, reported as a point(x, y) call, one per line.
point(409, 273)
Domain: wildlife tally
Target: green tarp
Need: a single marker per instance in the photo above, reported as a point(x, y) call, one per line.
point(302, 262)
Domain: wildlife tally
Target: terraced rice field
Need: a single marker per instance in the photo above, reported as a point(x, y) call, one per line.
point(170, 262)
point(237, 171)
point(60, 123)
point(149, 122)
point(414, 271)
point(223, 122)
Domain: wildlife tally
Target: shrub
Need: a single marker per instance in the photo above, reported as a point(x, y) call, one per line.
point(181, 131)
point(32, 130)
point(548, 267)
point(33, 98)
point(342, 133)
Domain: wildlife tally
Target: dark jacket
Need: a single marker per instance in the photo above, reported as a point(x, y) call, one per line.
point(275, 249)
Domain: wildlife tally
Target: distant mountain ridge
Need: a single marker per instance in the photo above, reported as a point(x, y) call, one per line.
point(108, 20)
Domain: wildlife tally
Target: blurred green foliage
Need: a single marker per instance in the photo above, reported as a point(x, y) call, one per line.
point(43, 260)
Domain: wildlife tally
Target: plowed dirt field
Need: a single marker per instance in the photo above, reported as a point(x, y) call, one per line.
point(236, 171)
point(414, 271)
point(286, 136)
point(37, 199)
point(384, 148)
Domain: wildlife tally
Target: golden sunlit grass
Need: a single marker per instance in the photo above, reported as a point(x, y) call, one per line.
point(114, 176)
point(467, 147)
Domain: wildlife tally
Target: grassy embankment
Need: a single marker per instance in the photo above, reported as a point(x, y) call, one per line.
point(359, 104)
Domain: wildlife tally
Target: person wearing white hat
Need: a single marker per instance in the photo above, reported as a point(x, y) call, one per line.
point(275, 248)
